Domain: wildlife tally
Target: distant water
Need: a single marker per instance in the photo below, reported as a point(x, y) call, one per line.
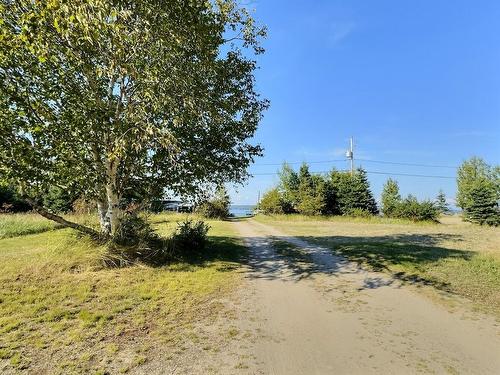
point(241, 210)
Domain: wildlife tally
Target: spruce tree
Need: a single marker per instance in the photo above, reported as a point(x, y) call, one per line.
point(483, 208)
point(390, 198)
point(362, 195)
point(288, 187)
point(352, 192)
point(441, 204)
point(311, 193)
point(479, 191)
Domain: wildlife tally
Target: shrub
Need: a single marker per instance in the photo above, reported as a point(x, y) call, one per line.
point(411, 208)
point(217, 207)
point(58, 200)
point(272, 202)
point(190, 238)
point(136, 241)
point(311, 193)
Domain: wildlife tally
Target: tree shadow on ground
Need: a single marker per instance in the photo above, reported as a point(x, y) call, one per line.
point(386, 253)
point(228, 251)
point(272, 258)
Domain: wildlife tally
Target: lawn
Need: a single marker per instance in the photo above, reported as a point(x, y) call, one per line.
point(452, 256)
point(62, 311)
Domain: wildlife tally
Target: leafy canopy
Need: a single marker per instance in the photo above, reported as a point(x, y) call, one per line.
point(103, 97)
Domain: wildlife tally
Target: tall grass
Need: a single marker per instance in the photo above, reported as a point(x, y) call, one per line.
point(13, 225)
point(63, 311)
point(341, 219)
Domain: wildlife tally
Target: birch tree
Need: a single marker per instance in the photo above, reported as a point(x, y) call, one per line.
point(100, 97)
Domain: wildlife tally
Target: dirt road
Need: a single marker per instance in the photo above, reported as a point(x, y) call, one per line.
point(331, 317)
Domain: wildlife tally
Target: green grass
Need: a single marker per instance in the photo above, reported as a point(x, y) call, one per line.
point(12, 225)
point(62, 311)
point(340, 219)
point(456, 257)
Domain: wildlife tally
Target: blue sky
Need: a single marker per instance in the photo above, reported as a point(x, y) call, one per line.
point(415, 82)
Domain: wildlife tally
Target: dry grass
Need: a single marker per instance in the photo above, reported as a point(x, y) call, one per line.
point(454, 256)
point(62, 312)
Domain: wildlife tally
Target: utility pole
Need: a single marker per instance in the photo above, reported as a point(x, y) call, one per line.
point(258, 199)
point(350, 155)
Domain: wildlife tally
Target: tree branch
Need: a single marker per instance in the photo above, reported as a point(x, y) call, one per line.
point(60, 220)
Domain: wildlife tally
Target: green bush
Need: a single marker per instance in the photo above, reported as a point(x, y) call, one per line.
point(311, 193)
point(217, 207)
point(410, 208)
point(190, 238)
point(136, 241)
point(351, 192)
point(359, 212)
point(272, 203)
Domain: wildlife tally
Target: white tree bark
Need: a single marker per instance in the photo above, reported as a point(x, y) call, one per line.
point(113, 213)
point(102, 210)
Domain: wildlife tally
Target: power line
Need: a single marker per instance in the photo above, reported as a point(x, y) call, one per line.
point(409, 164)
point(365, 160)
point(370, 172)
point(411, 175)
point(300, 162)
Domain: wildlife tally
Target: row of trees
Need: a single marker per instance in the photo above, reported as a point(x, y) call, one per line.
point(342, 193)
point(339, 193)
point(393, 205)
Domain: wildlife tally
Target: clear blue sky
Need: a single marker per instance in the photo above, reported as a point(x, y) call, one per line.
point(415, 82)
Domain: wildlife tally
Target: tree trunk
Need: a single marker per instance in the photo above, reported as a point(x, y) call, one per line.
point(58, 219)
point(113, 213)
point(102, 210)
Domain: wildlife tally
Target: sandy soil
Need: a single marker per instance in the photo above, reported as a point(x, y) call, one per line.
point(331, 317)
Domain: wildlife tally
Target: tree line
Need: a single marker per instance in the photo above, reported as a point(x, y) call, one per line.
point(349, 194)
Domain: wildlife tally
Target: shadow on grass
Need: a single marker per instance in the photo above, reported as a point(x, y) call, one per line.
point(406, 257)
point(415, 253)
point(159, 252)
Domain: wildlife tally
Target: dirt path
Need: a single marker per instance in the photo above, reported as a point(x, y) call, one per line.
point(334, 318)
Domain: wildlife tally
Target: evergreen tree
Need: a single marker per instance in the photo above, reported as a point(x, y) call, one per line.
point(441, 204)
point(311, 193)
point(342, 191)
point(390, 198)
point(483, 208)
point(479, 191)
point(363, 196)
point(288, 187)
point(305, 175)
point(352, 192)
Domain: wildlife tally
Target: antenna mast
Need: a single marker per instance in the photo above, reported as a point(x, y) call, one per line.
point(350, 155)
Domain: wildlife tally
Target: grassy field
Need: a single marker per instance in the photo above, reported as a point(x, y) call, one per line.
point(62, 311)
point(453, 256)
